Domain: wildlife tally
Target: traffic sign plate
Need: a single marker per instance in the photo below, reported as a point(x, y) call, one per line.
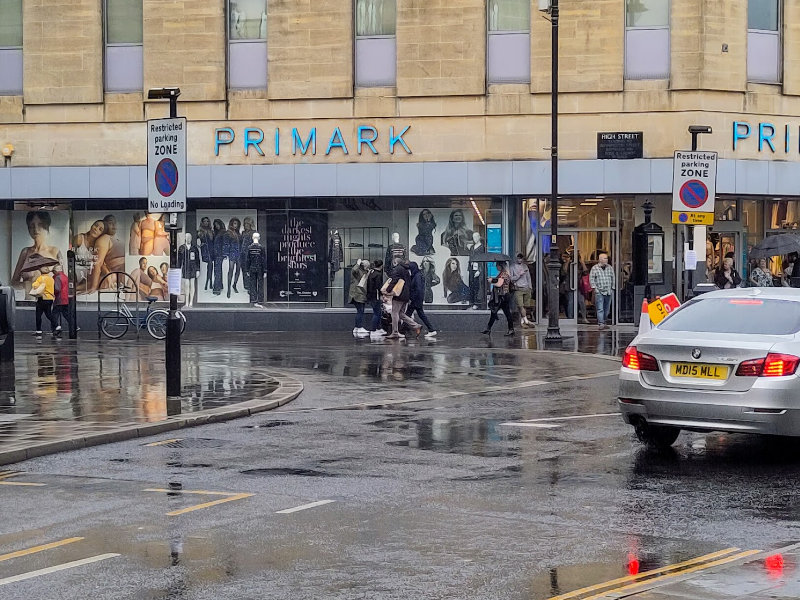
point(166, 165)
point(694, 183)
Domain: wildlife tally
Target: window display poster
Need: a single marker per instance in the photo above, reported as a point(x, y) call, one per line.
point(441, 240)
point(39, 239)
point(222, 236)
point(296, 262)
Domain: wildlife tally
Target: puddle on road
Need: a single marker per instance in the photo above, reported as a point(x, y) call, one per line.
point(268, 424)
point(288, 471)
point(475, 437)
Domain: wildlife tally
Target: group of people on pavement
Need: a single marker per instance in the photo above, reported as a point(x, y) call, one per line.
point(401, 295)
point(51, 290)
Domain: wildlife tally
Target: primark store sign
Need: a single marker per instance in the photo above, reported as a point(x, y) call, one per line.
point(367, 139)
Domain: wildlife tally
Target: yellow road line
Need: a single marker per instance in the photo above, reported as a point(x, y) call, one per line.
point(41, 548)
point(701, 567)
point(627, 578)
point(22, 484)
point(199, 492)
point(162, 442)
point(7, 474)
point(175, 513)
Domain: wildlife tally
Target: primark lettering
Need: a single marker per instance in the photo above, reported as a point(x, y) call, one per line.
point(768, 136)
point(366, 139)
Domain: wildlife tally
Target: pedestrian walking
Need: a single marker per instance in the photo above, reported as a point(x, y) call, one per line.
point(357, 294)
point(416, 298)
point(601, 278)
point(373, 298)
point(523, 288)
point(60, 298)
point(500, 298)
point(399, 288)
point(43, 290)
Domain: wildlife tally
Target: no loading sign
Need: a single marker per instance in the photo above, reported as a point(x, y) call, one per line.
point(166, 177)
point(166, 165)
point(694, 181)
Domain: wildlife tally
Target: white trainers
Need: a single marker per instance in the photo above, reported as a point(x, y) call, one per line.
point(376, 335)
point(361, 331)
point(431, 334)
point(382, 332)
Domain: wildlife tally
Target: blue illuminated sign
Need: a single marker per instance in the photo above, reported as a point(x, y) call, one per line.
point(367, 139)
point(767, 133)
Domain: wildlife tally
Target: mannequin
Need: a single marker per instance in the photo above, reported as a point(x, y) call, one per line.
point(255, 267)
point(189, 264)
point(476, 292)
point(335, 252)
point(477, 247)
point(395, 253)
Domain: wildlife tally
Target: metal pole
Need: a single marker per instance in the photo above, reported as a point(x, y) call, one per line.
point(690, 238)
point(173, 340)
point(553, 266)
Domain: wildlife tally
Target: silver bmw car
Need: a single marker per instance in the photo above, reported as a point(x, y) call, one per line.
point(725, 361)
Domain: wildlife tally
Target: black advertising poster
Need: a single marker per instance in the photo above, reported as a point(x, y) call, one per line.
point(620, 145)
point(296, 246)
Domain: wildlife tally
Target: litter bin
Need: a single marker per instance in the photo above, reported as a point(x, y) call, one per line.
point(7, 305)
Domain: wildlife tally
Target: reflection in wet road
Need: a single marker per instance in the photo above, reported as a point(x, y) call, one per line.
point(439, 498)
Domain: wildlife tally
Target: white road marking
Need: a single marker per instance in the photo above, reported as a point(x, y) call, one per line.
point(594, 416)
point(286, 511)
point(62, 567)
point(537, 425)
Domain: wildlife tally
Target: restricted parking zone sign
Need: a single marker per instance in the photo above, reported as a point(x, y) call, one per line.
point(166, 165)
point(694, 187)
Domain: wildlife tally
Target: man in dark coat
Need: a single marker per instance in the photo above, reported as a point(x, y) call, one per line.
point(417, 298)
point(400, 289)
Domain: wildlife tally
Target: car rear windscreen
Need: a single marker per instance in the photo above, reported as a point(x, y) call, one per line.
point(737, 315)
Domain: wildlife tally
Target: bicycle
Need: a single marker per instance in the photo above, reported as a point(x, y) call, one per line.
point(115, 323)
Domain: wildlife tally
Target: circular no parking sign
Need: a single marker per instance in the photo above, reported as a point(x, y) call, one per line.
point(694, 193)
point(166, 177)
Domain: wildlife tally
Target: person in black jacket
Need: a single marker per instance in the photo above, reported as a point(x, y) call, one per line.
point(417, 298)
point(374, 284)
point(401, 292)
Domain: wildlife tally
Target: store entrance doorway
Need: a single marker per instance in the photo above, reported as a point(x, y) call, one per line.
point(578, 251)
point(725, 240)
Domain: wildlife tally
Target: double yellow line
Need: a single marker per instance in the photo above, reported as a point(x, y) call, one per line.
point(630, 582)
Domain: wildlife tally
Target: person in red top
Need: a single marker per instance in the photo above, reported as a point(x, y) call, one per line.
point(60, 298)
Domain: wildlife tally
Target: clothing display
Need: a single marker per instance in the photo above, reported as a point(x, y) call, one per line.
point(431, 279)
point(476, 287)
point(247, 239)
point(189, 261)
point(423, 243)
point(255, 267)
point(394, 254)
point(335, 253)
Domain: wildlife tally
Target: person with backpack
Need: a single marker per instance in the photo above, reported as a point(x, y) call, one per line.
point(399, 288)
point(60, 299)
point(417, 298)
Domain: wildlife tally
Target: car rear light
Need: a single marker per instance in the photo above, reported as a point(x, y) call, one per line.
point(774, 365)
point(638, 361)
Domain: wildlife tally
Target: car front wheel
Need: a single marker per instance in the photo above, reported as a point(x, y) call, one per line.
point(656, 436)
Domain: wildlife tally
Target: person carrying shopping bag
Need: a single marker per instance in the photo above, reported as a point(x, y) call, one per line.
point(399, 288)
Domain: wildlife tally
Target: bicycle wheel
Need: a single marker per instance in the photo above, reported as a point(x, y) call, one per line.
point(113, 324)
point(157, 323)
point(183, 321)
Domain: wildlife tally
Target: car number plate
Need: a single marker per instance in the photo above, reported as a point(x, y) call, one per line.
point(699, 371)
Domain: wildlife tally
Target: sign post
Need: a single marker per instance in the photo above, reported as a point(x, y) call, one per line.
point(166, 193)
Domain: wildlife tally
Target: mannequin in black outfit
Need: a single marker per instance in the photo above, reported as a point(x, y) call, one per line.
point(189, 264)
point(255, 261)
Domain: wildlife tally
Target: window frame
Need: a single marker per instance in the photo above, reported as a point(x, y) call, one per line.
point(776, 33)
point(490, 80)
point(627, 28)
point(230, 43)
point(107, 45)
point(357, 84)
point(16, 90)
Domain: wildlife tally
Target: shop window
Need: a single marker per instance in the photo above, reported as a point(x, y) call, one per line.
point(10, 47)
point(726, 210)
point(763, 41)
point(247, 44)
point(509, 41)
point(123, 31)
point(783, 214)
point(376, 43)
point(647, 39)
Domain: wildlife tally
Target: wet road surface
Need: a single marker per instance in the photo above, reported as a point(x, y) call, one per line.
point(443, 470)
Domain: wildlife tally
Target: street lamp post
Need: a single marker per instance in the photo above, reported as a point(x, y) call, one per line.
point(173, 340)
point(553, 265)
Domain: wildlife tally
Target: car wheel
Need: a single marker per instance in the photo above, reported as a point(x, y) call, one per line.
point(656, 436)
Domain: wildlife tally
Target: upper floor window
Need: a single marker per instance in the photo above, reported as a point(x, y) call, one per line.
point(647, 39)
point(247, 44)
point(123, 31)
point(376, 46)
point(509, 43)
point(764, 41)
point(10, 47)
